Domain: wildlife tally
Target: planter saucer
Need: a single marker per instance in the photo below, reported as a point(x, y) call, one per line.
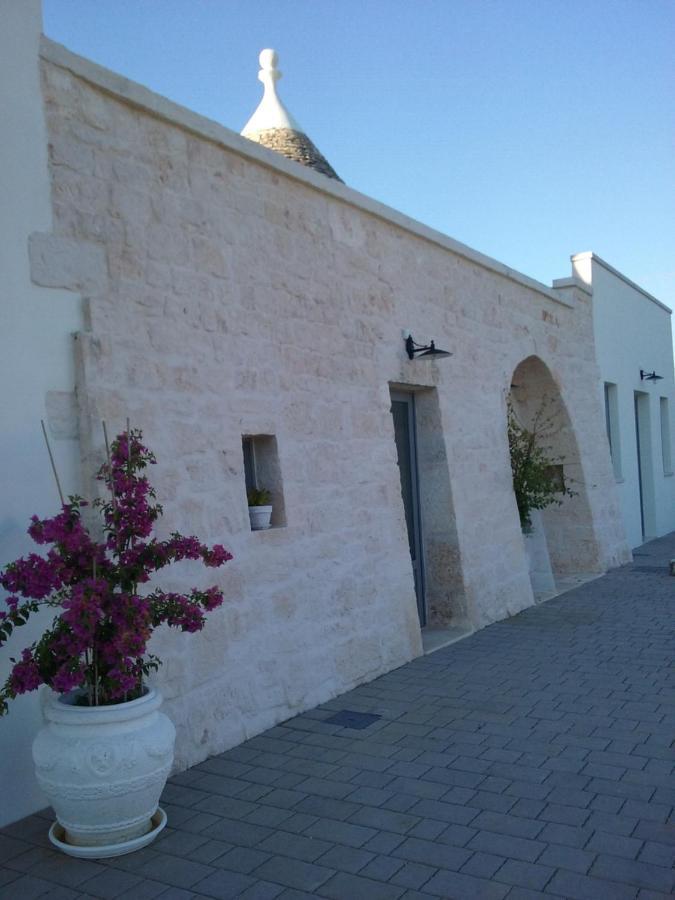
point(105, 851)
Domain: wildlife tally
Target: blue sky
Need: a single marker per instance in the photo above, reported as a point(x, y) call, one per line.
point(528, 129)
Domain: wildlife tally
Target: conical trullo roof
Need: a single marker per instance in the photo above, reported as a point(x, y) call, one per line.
point(274, 127)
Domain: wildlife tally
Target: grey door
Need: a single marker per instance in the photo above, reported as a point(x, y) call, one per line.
point(403, 411)
point(641, 486)
point(645, 461)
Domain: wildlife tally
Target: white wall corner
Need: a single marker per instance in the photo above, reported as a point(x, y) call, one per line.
point(582, 266)
point(566, 286)
point(36, 366)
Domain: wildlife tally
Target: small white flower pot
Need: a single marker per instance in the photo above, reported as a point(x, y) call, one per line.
point(260, 517)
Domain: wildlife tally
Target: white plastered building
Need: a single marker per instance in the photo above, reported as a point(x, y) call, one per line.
point(634, 350)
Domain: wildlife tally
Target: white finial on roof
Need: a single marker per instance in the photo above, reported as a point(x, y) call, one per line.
point(268, 60)
point(271, 112)
point(272, 126)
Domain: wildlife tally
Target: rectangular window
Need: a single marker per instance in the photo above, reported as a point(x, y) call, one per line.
point(263, 472)
point(665, 437)
point(608, 420)
point(612, 427)
point(557, 475)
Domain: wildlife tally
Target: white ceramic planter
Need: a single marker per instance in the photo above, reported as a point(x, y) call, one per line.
point(539, 562)
point(260, 517)
point(103, 769)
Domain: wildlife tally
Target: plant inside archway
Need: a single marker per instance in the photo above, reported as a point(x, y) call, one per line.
point(538, 479)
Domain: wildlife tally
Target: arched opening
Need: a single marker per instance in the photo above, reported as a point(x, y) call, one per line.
point(562, 548)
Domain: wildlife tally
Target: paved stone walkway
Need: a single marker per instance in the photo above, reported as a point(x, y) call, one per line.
point(531, 759)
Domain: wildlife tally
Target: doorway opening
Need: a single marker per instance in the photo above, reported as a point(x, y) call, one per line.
point(429, 514)
point(405, 436)
point(643, 442)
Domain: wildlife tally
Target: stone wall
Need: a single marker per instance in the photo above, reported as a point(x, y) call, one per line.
point(230, 292)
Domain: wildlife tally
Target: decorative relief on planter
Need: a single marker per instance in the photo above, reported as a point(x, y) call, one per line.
point(86, 756)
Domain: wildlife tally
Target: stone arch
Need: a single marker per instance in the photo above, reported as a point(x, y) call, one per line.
point(569, 532)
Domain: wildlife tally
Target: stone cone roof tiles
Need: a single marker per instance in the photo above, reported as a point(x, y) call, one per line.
point(294, 145)
point(274, 127)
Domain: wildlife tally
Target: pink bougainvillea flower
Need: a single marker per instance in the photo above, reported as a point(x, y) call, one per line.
point(98, 639)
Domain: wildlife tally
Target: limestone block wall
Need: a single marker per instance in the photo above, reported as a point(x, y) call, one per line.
point(241, 294)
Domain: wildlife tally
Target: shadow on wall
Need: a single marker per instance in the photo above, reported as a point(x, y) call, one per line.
point(445, 594)
point(568, 528)
point(428, 505)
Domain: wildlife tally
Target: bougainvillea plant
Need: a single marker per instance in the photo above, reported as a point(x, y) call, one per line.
point(98, 639)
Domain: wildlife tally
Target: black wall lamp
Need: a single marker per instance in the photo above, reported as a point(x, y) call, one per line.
point(649, 376)
point(413, 349)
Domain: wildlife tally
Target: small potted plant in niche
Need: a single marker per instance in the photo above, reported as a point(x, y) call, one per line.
point(106, 751)
point(538, 479)
point(259, 508)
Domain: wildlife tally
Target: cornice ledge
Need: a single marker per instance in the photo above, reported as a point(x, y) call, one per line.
point(572, 282)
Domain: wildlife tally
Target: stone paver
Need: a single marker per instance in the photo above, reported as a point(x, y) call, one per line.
point(531, 759)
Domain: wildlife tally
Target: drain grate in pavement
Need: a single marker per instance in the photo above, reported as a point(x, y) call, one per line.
point(348, 718)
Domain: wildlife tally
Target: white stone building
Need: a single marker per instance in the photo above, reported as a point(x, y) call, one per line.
point(37, 366)
point(634, 349)
point(249, 314)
